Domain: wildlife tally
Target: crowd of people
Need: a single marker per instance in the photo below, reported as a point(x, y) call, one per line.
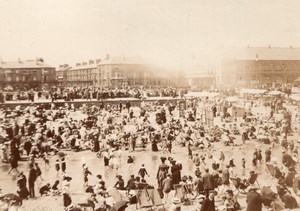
point(87, 93)
point(39, 133)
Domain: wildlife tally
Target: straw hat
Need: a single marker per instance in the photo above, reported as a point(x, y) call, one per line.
point(252, 187)
point(176, 201)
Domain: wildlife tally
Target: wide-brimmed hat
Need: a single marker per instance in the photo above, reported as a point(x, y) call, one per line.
point(176, 201)
point(252, 187)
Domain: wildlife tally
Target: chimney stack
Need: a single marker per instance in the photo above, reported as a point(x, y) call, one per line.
point(98, 61)
point(61, 66)
point(84, 63)
point(78, 64)
point(91, 61)
point(66, 65)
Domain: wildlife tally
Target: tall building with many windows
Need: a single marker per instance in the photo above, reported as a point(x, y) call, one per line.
point(26, 74)
point(268, 65)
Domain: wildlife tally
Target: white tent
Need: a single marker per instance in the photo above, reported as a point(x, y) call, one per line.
point(253, 91)
point(232, 99)
point(295, 97)
point(275, 93)
point(202, 94)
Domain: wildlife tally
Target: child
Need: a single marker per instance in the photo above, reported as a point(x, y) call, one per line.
point(142, 172)
point(44, 190)
point(46, 160)
point(130, 164)
point(86, 172)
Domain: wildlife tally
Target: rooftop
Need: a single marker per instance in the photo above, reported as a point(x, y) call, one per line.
point(24, 64)
point(121, 60)
point(264, 53)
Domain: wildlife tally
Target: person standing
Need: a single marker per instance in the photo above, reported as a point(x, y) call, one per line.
point(130, 164)
point(86, 172)
point(66, 191)
point(167, 185)
point(225, 180)
point(63, 165)
point(268, 154)
point(13, 164)
point(31, 180)
point(162, 172)
point(143, 172)
point(209, 203)
point(57, 167)
point(208, 182)
point(176, 172)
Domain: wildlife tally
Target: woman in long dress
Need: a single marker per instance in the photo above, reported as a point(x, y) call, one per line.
point(162, 172)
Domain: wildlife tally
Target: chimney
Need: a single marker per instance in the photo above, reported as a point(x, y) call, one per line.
point(84, 63)
point(291, 46)
point(78, 64)
point(66, 65)
point(269, 46)
point(256, 57)
point(19, 60)
point(107, 56)
point(98, 61)
point(91, 62)
point(61, 66)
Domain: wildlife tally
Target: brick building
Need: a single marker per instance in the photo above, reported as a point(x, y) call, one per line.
point(61, 74)
point(117, 72)
point(26, 74)
point(83, 74)
point(250, 66)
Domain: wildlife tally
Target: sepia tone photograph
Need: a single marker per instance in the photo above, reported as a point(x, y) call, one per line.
point(163, 105)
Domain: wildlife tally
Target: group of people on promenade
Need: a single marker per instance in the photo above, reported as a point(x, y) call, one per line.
point(87, 93)
point(38, 133)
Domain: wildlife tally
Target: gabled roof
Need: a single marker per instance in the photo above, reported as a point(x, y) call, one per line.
point(24, 65)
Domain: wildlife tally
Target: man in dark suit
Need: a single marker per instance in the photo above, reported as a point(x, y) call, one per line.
point(209, 203)
point(208, 182)
point(31, 180)
point(254, 200)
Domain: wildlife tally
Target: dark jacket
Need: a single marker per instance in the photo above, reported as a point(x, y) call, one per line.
point(208, 181)
point(32, 176)
point(254, 201)
point(208, 205)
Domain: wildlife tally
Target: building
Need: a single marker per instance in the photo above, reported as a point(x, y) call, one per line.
point(83, 74)
point(26, 74)
point(61, 74)
point(201, 77)
point(118, 72)
point(250, 66)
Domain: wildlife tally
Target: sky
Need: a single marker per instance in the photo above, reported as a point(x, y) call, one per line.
point(173, 33)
